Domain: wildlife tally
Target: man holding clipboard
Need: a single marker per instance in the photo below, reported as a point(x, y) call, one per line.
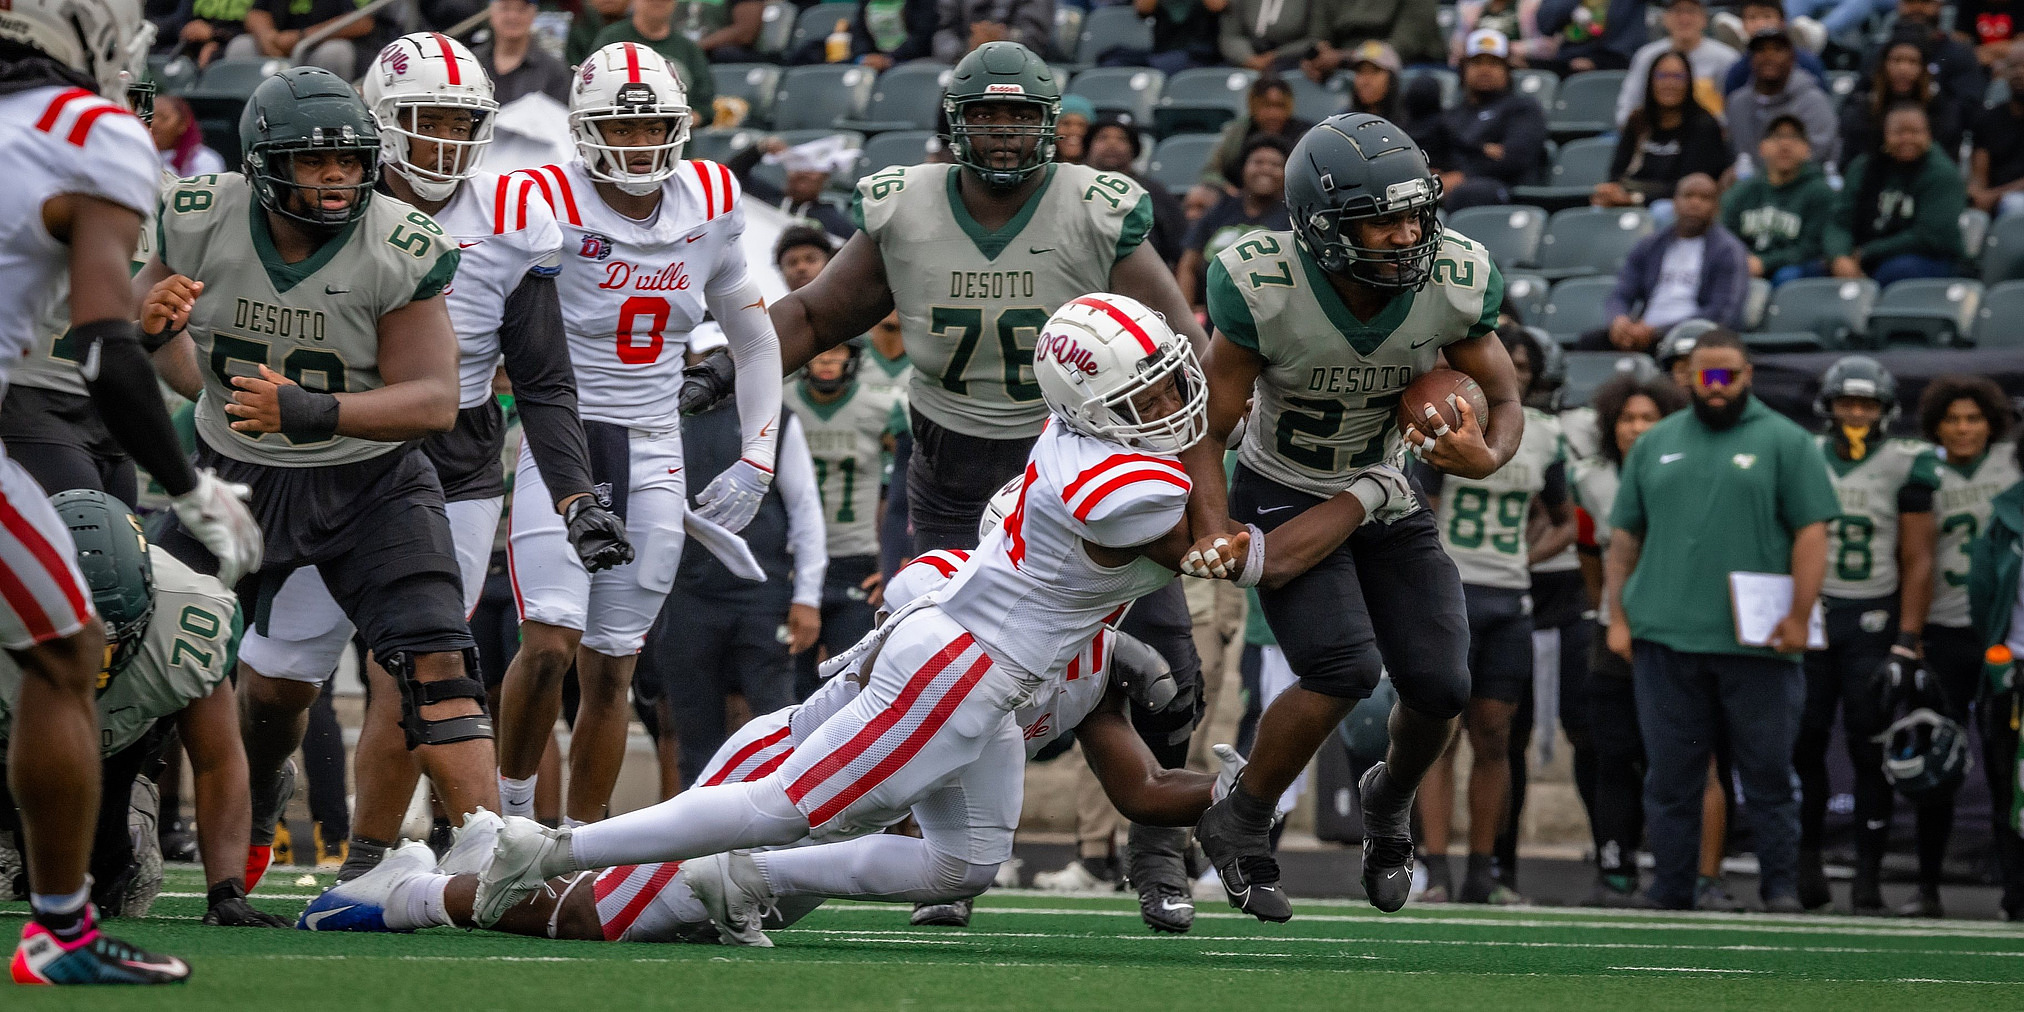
point(1728, 487)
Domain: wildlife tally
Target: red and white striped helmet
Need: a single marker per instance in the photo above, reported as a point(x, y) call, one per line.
point(1103, 361)
point(429, 70)
point(623, 81)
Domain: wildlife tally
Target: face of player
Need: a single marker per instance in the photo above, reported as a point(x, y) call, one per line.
point(1858, 413)
point(435, 123)
point(828, 366)
point(885, 336)
point(1271, 111)
point(800, 265)
point(1485, 74)
point(1158, 401)
point(1265, 174)
point(1001, 150)
point(1906, 136)
point(1639, 413)
point(341, 171)
point(1964, 430)
point(644, 134)
point(1387, 233)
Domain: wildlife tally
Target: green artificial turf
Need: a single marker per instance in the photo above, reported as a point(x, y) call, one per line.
point(1031, 951)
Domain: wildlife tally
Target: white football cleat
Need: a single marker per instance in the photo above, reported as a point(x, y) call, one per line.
point(472, 844)
point(361, 904)
point(732, 889)
point(527, 855)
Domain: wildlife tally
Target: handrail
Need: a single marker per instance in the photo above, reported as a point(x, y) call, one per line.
point(336, 25)
point(461, 28)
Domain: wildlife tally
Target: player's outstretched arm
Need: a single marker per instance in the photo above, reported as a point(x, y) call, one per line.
point(844, 301)
point(1480, 446)
point(210, 728)
point(1232, 372)
point(417, 361)
point(732, 497)
point(1132, 779)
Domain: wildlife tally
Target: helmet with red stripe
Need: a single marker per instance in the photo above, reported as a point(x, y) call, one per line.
point(1001, 505)
point(418, 73)
point(1112, 368)
point(107, 40)
point(617, 94)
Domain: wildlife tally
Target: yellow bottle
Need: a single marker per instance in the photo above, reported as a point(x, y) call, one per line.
point(836, 48)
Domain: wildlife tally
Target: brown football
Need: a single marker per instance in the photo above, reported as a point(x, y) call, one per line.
point(1436, 387)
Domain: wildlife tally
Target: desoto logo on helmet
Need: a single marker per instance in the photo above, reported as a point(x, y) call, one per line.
point(395, 60)
point(1004, 89)
point(1069, 352)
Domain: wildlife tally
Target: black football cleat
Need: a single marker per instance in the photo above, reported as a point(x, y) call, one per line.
point(1242, 856)
point(1387, 848)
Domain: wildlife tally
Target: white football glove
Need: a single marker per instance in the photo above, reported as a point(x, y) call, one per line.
point(1233, 766)
point(1385, 492)
point(214, 512)
point(732, 498)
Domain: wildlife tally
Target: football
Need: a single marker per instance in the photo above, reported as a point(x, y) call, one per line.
point(1436, 387)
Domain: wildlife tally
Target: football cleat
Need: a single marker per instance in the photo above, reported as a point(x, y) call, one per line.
point(944, 915)
point(96, 958)
point(1167, 908)
point(1924, 903)
point(330, 854)
point(472, 844)
point(1242, 856)
point(1156, 863)
point(1387, 848)
point(1813, 891)
point(527, 855)
point(1711, 894)
point(361, 904)
point(731, 888)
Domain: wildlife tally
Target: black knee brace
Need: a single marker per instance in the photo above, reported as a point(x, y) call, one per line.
point(416, 694)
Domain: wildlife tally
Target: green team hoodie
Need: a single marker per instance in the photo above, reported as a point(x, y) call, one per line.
point(1781, 225)
point(1918, 210)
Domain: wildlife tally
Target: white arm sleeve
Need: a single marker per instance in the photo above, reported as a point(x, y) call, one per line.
point(807, 536)
point(741, 312)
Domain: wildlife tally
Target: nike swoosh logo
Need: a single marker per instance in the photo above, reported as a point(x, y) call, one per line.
point(674, 470)
point(322, 915)
point(1668, 458)
point(693, 238)
point(1393, 874)
point(1275, 509)
point(461, 244)
point(328, 290)
point(1176, 905)
point(1037, 250)
point(1417, 345)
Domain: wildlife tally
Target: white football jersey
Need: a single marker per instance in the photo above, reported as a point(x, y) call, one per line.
point(53, 141)
point(1030, 593)
point(1961, 508)
point(503, 231)
point(631, 290)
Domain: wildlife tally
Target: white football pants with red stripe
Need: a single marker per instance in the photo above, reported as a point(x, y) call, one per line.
point(43, 596)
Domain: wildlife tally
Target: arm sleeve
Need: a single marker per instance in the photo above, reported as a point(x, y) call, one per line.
point(140, 425)
point(544, 385)
point(1131, 514)
point(807, 537)
point(1555, 491)
point(740, 309)
point(1233, 40)
point(1555, 14)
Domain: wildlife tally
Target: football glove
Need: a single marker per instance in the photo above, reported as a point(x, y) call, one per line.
point(1233, 767)
point(229, 909)
point(732, 498)
point(597, 534)
point(1894, 681)
point(1385, 492)
point(707, 383)
point(214, 512)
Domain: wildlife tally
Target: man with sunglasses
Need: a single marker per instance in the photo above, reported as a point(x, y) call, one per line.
point(1730, 486)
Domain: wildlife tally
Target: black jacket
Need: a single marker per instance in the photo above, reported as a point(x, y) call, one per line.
point(1511, 119)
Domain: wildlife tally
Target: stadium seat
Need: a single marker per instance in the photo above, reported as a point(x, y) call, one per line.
point(1316, 102)
point(1928, 311)
point(1067, 30)
point(776, 26)
point(1755, 303)
point(1528, 294)
point(1587, 370)
point(894, 147)
point(1837, 309)
point(236, 78)
point(1996, 326)
point(1511, 232)
point(818, 21)
point(1108, 28)
point(1201, 100)
point(907, 97)
point(818, 97)
point(1590, 240)
point(1585, 104)
point(176, 76)
point(721, 145)
point(1178, 160)
point(776, 176)
point(1451, 83)
point(1974, 232)
point(1539, 85)
point(756, 83)
point(1130, 90)
point(1577, 168)
point(2003, 254)
point(1785, 340)
point(1841, 84)
point(1575, 307)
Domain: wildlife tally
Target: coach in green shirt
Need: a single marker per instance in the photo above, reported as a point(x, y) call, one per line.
point(1730, 486)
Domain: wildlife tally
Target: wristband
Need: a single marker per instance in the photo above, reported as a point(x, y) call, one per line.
point(1254, 560)
point(230, 889)
point(1369, 491)
point(1908, 640)
point(306, 414)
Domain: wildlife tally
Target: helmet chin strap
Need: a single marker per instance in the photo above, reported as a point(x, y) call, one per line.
point(427, 189)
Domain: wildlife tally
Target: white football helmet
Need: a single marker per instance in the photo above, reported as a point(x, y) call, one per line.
point(1100, 355)
point(626, 80)
point(105, 39)
point(1001, 505)
point(429, 70)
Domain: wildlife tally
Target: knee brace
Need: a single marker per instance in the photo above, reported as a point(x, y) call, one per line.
point(416, 694)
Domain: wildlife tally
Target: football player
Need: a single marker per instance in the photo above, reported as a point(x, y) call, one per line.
point(1329, 323)
point(81, 174)
point(650, 243)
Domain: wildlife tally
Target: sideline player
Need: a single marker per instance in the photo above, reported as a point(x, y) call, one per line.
point(1329, 324)
point(81, 174)
point(650, 242)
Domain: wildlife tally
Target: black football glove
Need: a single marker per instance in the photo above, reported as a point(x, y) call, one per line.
point(597, 534)
point(707, 383)
point(229, 909)
point(1896, 680)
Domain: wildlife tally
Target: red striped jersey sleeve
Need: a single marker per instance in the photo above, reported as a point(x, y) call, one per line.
point(1128, 499)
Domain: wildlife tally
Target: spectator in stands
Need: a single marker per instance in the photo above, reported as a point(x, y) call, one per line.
point(1594, 34)
point(1843, 18)
point(886, 32)
point(1781, 212)
point(1267, 36)
point(1493, 139)
point(652, 25)
point(180, 142)
point(1374, 81)
point(1774, 91)
point(1686, 22)
point(1990, 26)
point(1899, 212)
point(1731, 486)
point(1697, 268)
point(1071, 128)
point(1996, 169)
point(209, 25)
point(1903, 76)
point(592, 16)
point(963, 25)
point(1411, 27)
point(727, 31)
point(1259, 205)
point(1517, 19)
point(1270, 112)
point(1113, 146)
point(518, 64)
point(276, 27)
point(1668, 137)
point(1184, 36)
point(808, 168)
point(1756, 16)
point(1954, 64)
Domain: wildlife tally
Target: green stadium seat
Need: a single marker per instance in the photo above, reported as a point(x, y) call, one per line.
point(776, 26)
point(756, 83)
point(1576, 169)
point(1836, 309)
point(818, 21)
point(1539, 85)
point(1108, 28)
point(1585, 104)
point(1997, 324)
point(1528, 294)
point(820, 96)
point(1927, 311)
point(1177, 161)
point(907, 97)
point(1590, 240)
point(1511, 232)
point(1575, 307)
point(1130, 90)
point(2003, 253)
point(1587, 370)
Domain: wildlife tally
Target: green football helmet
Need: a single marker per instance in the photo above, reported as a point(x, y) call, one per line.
point(1002, 72)
point(1857, 376)
point(113, 555)
point(307, 109)
point(140, 97)
point(1679, 342)
point(1354, 166)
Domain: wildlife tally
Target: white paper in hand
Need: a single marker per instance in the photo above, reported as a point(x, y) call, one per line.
point(729, 548)
point(1761, 600)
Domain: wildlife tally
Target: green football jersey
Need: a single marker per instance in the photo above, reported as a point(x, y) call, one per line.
point(1323, 408)
point(1961, 507)
point(972, 302)
point(316, 322)
point(1483, 519)
point(190, 647)
point(1862, 543)
point(846, 438)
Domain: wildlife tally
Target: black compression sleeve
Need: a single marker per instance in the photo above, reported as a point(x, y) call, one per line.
point(544, 386)
point(123, 385)
point(1555, 491)
point(1915, 499)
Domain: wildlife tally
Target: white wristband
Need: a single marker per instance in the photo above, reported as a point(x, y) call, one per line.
point(1254, 561)
point(1369, 491)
